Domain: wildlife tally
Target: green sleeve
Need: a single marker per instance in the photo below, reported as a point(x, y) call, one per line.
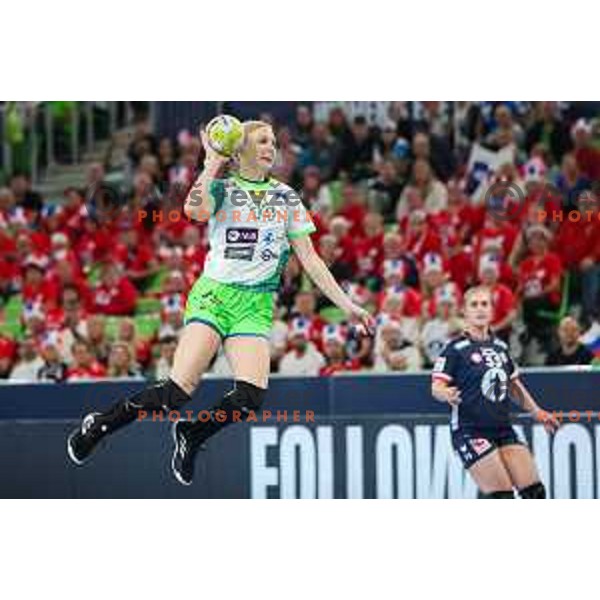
point(292, 235)
point(217, 191)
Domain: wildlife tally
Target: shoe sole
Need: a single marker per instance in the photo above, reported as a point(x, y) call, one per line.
point(70, 452)
point(175, 452)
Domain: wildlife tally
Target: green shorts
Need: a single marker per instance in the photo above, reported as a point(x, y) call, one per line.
point(230, 310)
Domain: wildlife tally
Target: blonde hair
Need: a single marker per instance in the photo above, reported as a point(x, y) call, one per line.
point(478, 289)
point(250, 127)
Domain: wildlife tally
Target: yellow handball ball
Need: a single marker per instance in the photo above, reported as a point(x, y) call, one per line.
point(225, 134)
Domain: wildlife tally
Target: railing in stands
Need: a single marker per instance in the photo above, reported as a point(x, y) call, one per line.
point(37, 136)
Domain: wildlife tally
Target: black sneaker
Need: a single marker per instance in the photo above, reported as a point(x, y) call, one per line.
point(184, 453)
point(82, 441)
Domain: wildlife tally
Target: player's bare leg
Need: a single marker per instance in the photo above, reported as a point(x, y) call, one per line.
point(249, 360)
point(196, 347)
point(492, 477)
point(522, 470)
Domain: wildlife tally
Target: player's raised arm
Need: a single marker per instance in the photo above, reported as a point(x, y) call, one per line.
point(319, 273)
point(204, 193)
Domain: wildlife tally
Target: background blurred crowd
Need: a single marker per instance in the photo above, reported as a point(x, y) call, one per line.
point(405, 222)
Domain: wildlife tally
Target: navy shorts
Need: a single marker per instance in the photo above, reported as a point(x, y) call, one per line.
point(471, 446)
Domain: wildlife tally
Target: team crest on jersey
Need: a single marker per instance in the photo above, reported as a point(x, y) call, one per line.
point(480, 445)
point(476, 357)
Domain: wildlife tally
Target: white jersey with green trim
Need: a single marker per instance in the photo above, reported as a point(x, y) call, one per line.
point(249, 231)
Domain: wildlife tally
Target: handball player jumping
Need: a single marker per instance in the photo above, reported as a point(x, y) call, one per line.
point(254, 223)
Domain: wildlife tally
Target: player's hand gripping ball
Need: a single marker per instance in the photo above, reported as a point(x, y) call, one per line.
point(225, 134)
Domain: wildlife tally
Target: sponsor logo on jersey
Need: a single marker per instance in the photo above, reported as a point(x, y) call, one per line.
point(267, 254)
point(241, 235)
point(269, 237)
point(239, 252)
point(476, 357)
point(480, 445)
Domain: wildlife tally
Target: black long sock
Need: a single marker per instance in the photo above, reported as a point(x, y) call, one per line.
point(166, 395)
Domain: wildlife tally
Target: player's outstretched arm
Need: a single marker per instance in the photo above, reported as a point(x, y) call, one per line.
point(321, 276)
point(200, 201)
point(526, 401)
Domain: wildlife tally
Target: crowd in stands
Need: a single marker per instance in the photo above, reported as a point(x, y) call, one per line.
point(89, 290)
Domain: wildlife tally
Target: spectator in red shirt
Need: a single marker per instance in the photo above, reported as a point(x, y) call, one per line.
point(421, 237)
point(394, 274)
point(60, 250)
point(95, 243)
point(369, 248)
point(194, 249)
point(334, 347)
point(305, 308)
point(578, 244)
point(84, 366)
point(496, 230)
point(36, 289)
point(97, 338)
point(394, 249)
point(339, 227)
point(435, 283)
point(9, 273)
point(115, 295)
point(52, 220)
point(65, 274)
point(353, 209)
point(503, 299)
point(74, 211)
point(7, 356)
point(141, 349)
point(539, 284)
point(588, 157)
point(459, 220)
point(136, 256)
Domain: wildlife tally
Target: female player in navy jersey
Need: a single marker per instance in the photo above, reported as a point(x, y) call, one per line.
point(475, 375)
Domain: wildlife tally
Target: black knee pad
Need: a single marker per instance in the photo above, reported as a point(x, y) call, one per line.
point(244, 397)
point(500, 495)
point(535, 491)
point(235, 406)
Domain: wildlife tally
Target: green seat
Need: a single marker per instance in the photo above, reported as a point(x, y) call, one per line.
point(93, 276)
point(13, 308)
point(332, 314)
point(112, 327)
point(147, 325)
point(556, 316)
point(155, 282)
point(12, 329)
point(145, 306)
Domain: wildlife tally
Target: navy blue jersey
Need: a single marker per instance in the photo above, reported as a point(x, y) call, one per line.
point(481, 370)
